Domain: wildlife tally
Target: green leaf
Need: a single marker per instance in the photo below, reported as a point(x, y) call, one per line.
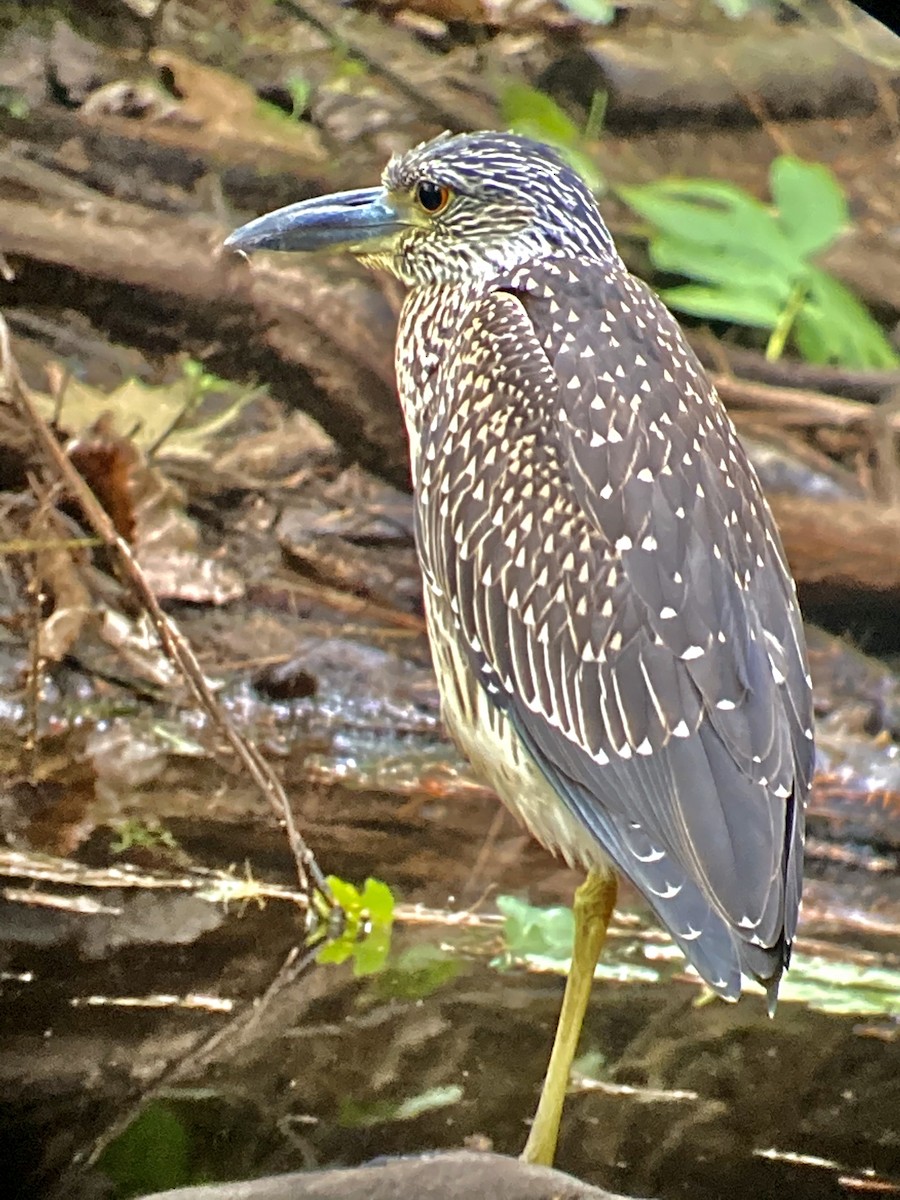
point(536, 115)
point(593, 126)
point(368, 923)
point(428, 1101)
point(346, 895)
point(813, 340)
point(378, 900)
point(338, 950)
point(812, 209)
point(597, 12)
point(524, 105)
point(299, 89)
point(362, 1114)
point(840, 987)
point(14, 103)
point(418, 972)
point(716, 215)
point(678, 256)
point(371, 952)
point(745, 306)
point(152, 1154)
point(753, 262)
point(543, 932)
point(833, 327)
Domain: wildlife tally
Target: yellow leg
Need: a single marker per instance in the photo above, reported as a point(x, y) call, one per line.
point(593, 906)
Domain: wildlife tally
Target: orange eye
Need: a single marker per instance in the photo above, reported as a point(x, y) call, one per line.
point(433, 197)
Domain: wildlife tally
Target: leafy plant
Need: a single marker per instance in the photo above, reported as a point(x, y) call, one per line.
point(366, 933)
point(151, 415)
point(542, 937)
point(828, 985)
point(754, 262)
point(530, 112)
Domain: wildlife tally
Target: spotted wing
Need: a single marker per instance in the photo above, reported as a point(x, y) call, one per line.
point(617, 581)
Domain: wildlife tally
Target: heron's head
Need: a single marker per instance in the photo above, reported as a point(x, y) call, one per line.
point(454, 209)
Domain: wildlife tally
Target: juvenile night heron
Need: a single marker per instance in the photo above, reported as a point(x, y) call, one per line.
point(614, 627)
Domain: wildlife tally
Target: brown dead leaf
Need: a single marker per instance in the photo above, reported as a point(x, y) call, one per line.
point(148, 510)
point(114, 433)
point(58, 577)
point(226, 106)
point(136, 642)
point(106, 461)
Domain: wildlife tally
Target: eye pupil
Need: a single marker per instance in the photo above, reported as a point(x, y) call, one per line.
point(432, 196)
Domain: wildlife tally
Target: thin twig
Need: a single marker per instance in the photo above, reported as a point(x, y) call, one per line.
point(173, 642)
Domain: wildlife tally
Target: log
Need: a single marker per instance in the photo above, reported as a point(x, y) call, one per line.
point(841, 545)
point(660, 76)
point(453, 1175)
point(322, 341)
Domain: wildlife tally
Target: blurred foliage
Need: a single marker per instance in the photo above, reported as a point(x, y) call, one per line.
point(530, 112)
point(151, 1155)
point(142, 835)
point(418, 972)
point(833, 986)
point(736, 9)
point(366, 934)
point(754, 262)
point(530, 931)
point(356, 1114)
point(14, 103)
point(543, 937)
point(184, 415)
point(300, 90)
point(595, 12)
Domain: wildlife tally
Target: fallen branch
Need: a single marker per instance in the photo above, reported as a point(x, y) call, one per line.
point(798, 408)
point(853, 383)
point(840, 543)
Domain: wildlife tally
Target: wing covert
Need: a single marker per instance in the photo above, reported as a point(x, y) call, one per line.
point(618, 598)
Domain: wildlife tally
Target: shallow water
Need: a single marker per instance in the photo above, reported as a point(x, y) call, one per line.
point(152, 1036)
point(146, 1006)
